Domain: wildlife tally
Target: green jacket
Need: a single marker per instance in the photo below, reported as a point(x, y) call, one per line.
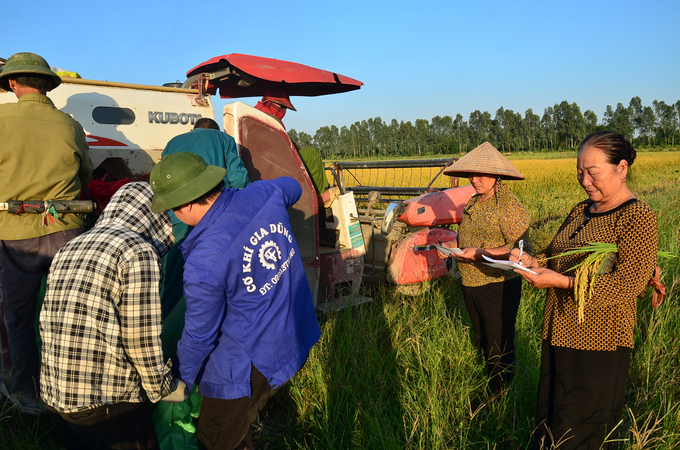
point(311, 158)
point(43, 156)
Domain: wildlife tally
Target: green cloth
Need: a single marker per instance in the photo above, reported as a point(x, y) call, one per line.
point(173, 273)
point(311, 158)
point(175, 423)
point(173, 326)
point(43, 156)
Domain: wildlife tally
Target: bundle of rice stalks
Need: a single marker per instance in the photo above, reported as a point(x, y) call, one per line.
point(601, 260)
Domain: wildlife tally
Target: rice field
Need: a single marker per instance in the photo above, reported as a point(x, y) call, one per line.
point(550, 189)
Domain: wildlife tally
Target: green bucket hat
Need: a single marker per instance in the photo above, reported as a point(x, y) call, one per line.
point(180, 178)
point(25, 64)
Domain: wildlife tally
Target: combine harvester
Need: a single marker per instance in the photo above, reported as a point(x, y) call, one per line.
point(128, 125)
point(421, 209)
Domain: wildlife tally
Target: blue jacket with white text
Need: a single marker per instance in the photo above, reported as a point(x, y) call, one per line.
point(248, 299)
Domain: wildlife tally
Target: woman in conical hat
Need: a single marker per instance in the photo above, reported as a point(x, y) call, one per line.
point(494, 222)
point(484, 160)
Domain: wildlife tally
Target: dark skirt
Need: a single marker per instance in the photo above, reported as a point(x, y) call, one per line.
point(493, 313)
point(580, 396)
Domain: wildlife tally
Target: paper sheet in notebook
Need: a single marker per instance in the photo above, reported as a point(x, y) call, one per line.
point(505, 265)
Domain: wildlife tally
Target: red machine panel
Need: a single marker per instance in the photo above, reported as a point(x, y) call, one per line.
point(268, 153)
point(410, 265)
point(341, 274)
point(436, 208)
point(238, 76)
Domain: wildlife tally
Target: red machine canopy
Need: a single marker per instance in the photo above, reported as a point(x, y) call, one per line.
point(239, 75)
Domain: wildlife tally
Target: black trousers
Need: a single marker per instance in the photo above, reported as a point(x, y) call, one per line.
point(223, 424)
point(23, 264)
point(493, 312)
point(121, 426)
point(580, 396)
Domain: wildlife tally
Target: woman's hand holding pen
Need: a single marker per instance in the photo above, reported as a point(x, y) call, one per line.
point(544, 278)
point(522, 258)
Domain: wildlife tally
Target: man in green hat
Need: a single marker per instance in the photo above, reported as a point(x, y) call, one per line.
point(44, 156)
point(250, 319)
point(216, 148)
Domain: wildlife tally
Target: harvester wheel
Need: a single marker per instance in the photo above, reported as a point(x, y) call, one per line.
point(414, 289)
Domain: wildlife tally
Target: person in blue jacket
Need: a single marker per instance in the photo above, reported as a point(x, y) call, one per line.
point(250, 320)
point(215, 147)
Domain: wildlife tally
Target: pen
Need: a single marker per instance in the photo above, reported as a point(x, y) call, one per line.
point(521, 250)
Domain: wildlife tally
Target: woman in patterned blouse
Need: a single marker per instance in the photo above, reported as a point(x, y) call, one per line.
point(494, 221)
point(584, 363)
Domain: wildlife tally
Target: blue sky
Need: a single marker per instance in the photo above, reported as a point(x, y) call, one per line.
point(416, 59)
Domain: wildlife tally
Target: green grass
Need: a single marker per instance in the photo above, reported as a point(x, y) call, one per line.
point(19, 432)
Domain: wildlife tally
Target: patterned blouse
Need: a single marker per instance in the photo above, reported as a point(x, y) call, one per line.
point(611, 312)
point(500, 220)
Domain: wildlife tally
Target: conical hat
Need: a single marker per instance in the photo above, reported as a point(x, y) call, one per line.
point(484, 159)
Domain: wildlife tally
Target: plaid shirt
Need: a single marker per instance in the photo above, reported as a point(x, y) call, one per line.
point(101, 323)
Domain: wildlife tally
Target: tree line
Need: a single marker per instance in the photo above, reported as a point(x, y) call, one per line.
point(561, 127)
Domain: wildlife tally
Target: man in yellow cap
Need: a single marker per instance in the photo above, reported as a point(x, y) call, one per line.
point(275, 103)
point(44, 156)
